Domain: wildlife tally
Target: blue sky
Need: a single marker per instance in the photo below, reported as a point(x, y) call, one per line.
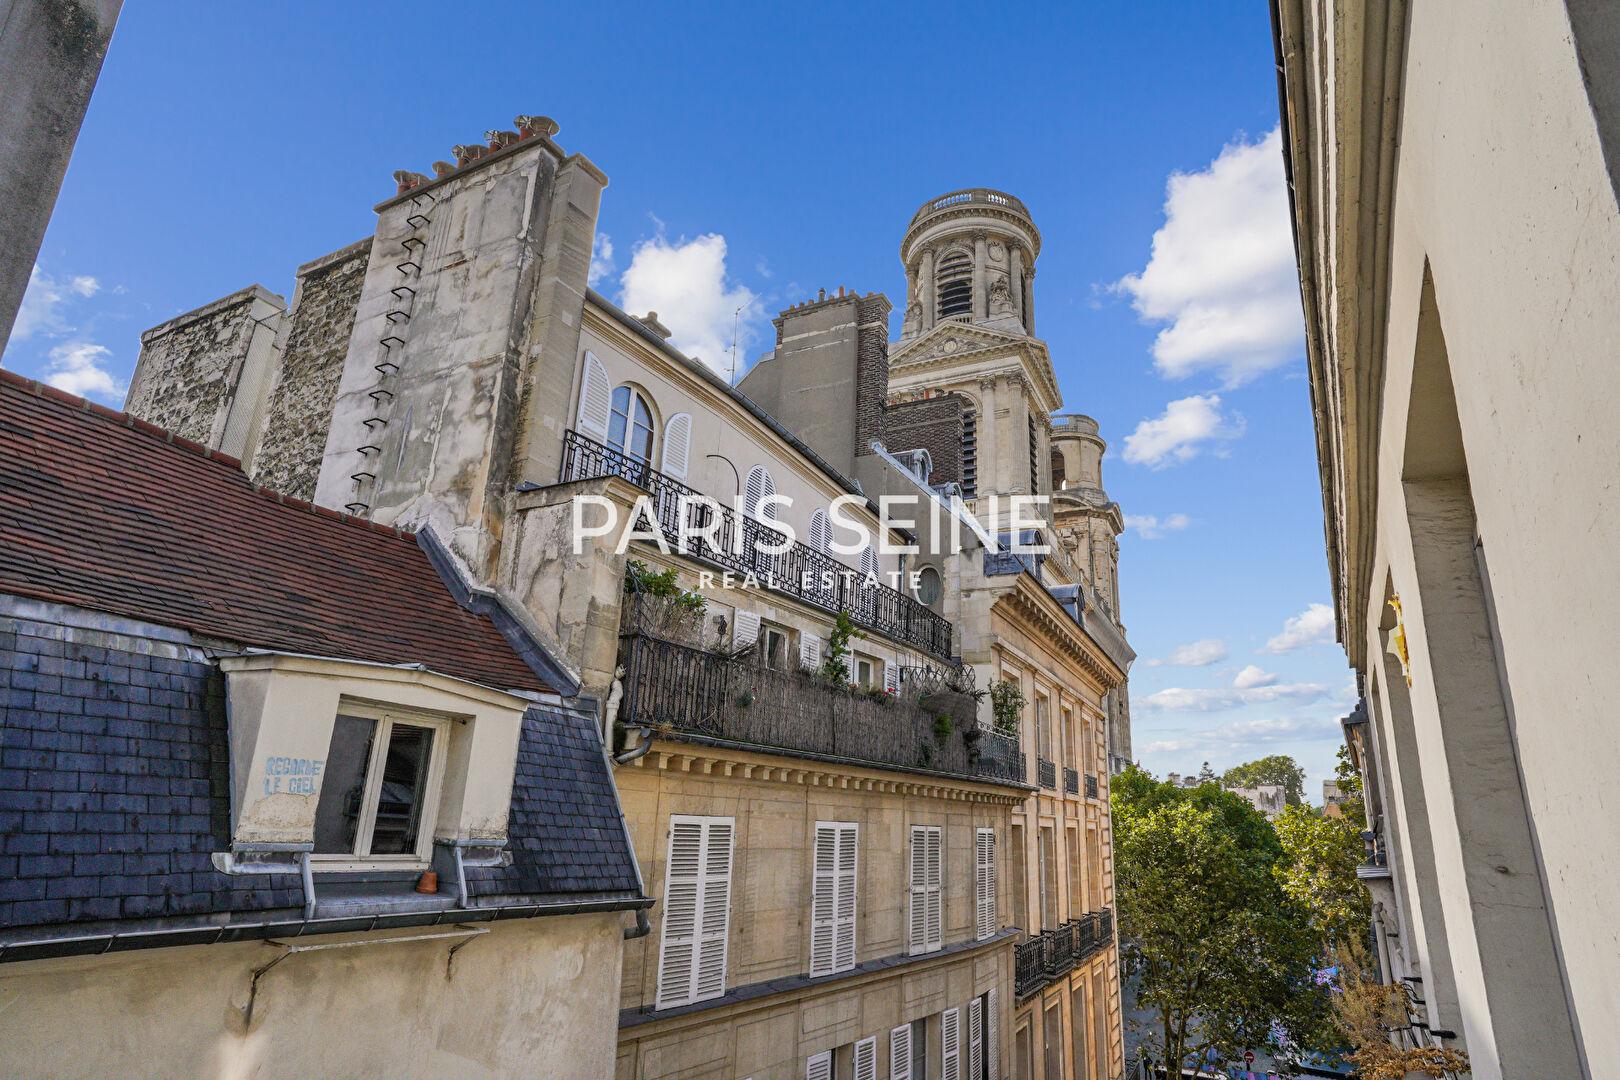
point(758, 153)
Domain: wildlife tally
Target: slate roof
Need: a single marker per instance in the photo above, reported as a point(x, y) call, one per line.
point(104, 511)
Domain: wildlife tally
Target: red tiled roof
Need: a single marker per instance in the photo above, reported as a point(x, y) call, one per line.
point(107, 512)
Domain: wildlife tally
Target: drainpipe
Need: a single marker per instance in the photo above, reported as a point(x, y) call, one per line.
point(644, 734)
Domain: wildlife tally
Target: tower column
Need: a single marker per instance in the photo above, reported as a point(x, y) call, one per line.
point(980, 257)
point(1015, 260)
point(926, 271)
point(1029, 301)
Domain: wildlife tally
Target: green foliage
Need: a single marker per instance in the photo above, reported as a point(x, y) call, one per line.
point(1007, 703)
point(656, 604)
point(1277, 769)
point(1354, 807)
point(835, 663)
point(943, 727)
point(1206, 775)
point(1320, 874)
point(1220, 949)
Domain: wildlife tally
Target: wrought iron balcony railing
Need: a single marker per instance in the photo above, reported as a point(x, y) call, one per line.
point(673, 687)
point(1091, 786)
point(1052, 954)
point(732, 541)
point(1048, 773)
point(1071, 782)
point(1029, 966)
point(1059, 951)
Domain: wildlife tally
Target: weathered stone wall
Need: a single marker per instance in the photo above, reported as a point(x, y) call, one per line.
point(871, 369)
point(194, 369)
point(933, 424)
point(288, 459)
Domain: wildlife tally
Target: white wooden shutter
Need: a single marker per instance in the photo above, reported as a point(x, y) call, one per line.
point(697, 909)
point(866, 1058)
point(810, 651)
point(984, 882)
point(869, 562)
point(745, 629)
point(819, 1067)
point(891, 678)
point(975, 1039)
point(992, 1027)
point(950, 1045)
point(900, 1052)
point(847, 894)
point(758, 486)
point(595, 400)
point(820, 532)
point(823, 898)
point(926, 914)
point(677, 445)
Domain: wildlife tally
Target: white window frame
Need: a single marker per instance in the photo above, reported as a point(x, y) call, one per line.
point(926, 909)
point(385, 718)
point(703, 897)
point(834, 898)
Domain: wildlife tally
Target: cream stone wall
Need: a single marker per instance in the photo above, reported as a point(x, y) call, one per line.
point(523, 1000)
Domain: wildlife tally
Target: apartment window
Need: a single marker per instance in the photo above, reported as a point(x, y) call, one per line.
point(908, 1051)
point(927, 912)
point(1079, 1017)
point(1043, 725)
point(760, 485)
point(1015, 869)
point(777, 653)
point(865, 672)
point(1095, 866)
point(630, 428)
point(1099, 1016)
point(1025, 1042)
point(984, 882)
point(928, 586)
point(954, 284)
point(697, 910)
point(819, 1067)
point(1071, 748)
point(1049, 896)
point(1073, 856)
point(1054, 1040)
point(380, 792)
point(832, 901)
point(950, 1044)
point(975, 1040)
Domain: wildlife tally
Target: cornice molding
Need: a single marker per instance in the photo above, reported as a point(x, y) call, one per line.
point(927, 352)
point(1035, 607)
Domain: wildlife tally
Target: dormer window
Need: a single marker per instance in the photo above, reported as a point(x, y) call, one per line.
point(381, 782)
point(954, 284)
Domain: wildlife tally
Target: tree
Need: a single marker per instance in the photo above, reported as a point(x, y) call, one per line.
point(1206, 775)
point(1218, 947)
point(1354, 806)
point(1277, 769)
point(1320, 874)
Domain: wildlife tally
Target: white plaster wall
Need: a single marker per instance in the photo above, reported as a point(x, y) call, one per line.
point(532, 998)
point(1502, 188)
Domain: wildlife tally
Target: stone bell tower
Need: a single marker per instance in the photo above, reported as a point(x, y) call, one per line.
point(968, 379)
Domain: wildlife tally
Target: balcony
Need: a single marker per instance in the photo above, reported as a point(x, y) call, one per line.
point(1048, 773)
point(1071, 782)
point(987, 196)
point(1091, 786)
point(800, 571)
point(1051, 954)
point(673, 688)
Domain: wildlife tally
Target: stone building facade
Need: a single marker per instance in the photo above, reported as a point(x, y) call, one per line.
point(859, 869)
point(1453, 185)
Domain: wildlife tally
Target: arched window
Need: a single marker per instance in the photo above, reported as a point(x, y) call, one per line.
point(953, 284)
point(759, 485)
point(630, 426)
point(820, 532)
point(928, 582)
point(869, 562)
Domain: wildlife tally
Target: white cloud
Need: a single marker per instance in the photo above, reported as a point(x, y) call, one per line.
point(1313, 626)
point(1222, 272)
point(601, 258)
point(1253, 676)
point(685, 282)
point(1228, 739)
point(1198, 654)
point(1178, 699)
point(1149, 527)
point(41, 307)
point(1181, 432)
point(79, 367)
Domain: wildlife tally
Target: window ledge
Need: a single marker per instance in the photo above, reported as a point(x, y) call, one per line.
point(338, 900)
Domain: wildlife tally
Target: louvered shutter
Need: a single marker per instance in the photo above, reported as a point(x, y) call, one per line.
point(975, 1039)
point(820, 532)
point(823, 899)
point(866, 1059)
point(936, 898)
point(984, 882)
point(810, 651)
point(891, 678)
point(819, 1067)
point(677, 445)
point(950, 1045)
point(595, 400)
point(900, 1053)
point(758, 486)
point(745, 629)
point(847, 894)
point(697, 909)
point(869, 562)
point(992, 1037)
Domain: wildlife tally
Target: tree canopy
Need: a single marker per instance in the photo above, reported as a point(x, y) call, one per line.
point(1220, 948)
point(1277, 769)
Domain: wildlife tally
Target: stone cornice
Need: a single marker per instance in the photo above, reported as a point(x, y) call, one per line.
point(927, 351)
point(1036, 608)
point(1020, 226)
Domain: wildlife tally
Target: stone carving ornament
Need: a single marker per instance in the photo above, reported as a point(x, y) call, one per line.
point(1001, 301)
point(997, 252)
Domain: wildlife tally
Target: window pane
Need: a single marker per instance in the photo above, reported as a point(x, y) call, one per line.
point(404, 780)
point(343, 784)
point(619, 420)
